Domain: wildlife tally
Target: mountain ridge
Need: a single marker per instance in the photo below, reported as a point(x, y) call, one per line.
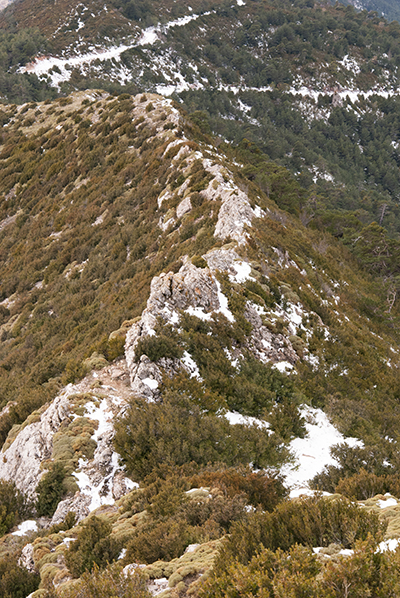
point(199, 366)
point(238, 323)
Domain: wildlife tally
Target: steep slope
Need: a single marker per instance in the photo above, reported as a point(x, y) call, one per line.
point(165, 322)
point(302, 81)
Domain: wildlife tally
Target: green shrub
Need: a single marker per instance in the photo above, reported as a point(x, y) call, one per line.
point(13, 506)
point(94, 546)
point(308, 521)
point(151, 436)
point(50, 490)
point(107, 583)
point(352, 461)
point(16, 581)
point(173, 519)
point(164, 540)
point(364, 485)
point(199, 261)
point(261, 488)
point(298, 573)
point(164, 344)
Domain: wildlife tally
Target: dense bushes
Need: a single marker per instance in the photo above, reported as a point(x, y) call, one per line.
point(94, 546)
point(150, 436)
point(16, 581)
point(107, 583)
point(261, 488)
point(308, 521)
point(13, 506)
point(175, 518)
point(300, 573)
point(50, 490)
point(361, 470)
point(16, 49)
point(364, 485)
point(270, 553)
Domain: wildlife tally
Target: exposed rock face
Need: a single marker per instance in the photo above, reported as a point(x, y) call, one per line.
point(26, 558)
point(22, 460)
point(101, 479)
point(79, 504)
point(184, 207)
point(189, 289)
point(197, 292)
point(236, 212)
point(266, 346)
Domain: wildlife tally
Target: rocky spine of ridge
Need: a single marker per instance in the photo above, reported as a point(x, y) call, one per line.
point(194, 290)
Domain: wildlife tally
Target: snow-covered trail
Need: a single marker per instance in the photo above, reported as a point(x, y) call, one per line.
point(42, 66)
point(59, 69)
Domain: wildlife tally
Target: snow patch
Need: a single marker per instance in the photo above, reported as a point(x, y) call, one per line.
point(389, 501)
point(198, 312)
point(281, 366)
point(151, 383)
point(223, 304)
point(25, 527)
point(391, 545)
point(235, 418)
point(312, 454)
point(243, 272)
point(100, 492)
point(191, 365)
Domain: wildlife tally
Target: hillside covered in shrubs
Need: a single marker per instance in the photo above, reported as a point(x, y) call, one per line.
point(199, 314)
point(165, 321)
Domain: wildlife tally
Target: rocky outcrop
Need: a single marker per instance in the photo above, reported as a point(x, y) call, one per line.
point(101, 479)
point(79, 504)
point(26, 558)
point(21, 462)
point(236, 212)
point(192, 289)
point(197, 292)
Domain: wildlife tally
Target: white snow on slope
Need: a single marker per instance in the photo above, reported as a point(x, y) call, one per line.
point(391, 544)
point(235, 418)
point(223, 304)
point(387, 501)
point(151, 383)
point(100, 492)
point(191, 365)
point(43, 65)
point(25, 527)
point(283, 366)
point(243, 272)
point(312, 454)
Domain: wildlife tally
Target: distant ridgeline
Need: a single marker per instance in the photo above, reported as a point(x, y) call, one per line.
point(313, 88)
point(390, 9)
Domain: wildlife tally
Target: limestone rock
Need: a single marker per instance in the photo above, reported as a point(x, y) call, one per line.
point(184, 207)
point(26, 558)
point(101, 480)
point(146, 378)
point(266, 346)
point(21, 462)
point(236, 212)
point(234, 215)
point(197, 291)
point(79, 504)
point(190, 288)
